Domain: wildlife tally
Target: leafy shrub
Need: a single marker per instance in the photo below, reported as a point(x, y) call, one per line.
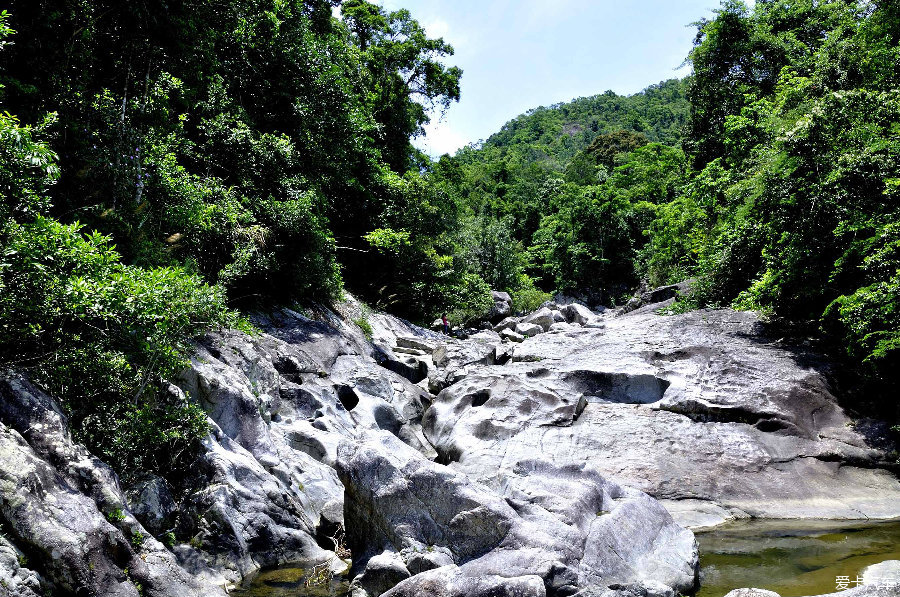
point(97, 334)
point(527, 297)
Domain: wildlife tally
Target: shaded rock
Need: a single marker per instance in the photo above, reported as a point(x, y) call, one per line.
point(150, 500)
point(502, 306)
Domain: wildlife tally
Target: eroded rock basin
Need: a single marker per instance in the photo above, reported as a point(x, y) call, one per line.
point(297, 580)
point(792, 557)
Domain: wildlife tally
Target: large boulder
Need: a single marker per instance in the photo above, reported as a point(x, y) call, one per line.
point(543, 317)
point(700, 406)
point(576, 313)
point(55, 504)
point(502, 306)
point(529, 330)
point(550, 530)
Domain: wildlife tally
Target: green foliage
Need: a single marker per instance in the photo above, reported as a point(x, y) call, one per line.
point(605, 148)
point(526, 297)
point(137, 539)
point(115, 515)
point(97, 334)
point(551, 191)
point(794, 122)
point(365, 326)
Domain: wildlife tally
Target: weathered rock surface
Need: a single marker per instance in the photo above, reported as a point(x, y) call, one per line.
point(550, 529)
point(700, 407)
point(53, 499)
point(502, 306)
point(481, 467)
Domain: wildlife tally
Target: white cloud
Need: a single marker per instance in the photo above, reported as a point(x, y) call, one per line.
point(440, 138)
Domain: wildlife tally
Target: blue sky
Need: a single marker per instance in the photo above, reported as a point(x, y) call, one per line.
point(520, 54)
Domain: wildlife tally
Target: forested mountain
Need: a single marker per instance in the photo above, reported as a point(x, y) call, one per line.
point(165, 165)
point(527, 183)
point(782, 196)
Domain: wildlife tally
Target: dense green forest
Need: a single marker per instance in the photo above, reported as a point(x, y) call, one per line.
point(166, 166)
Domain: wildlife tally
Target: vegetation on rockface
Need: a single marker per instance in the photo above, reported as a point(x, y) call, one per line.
point(169, 161)
point(198, 156)
point(795, 132)
point(93, 331)
point(782, 195)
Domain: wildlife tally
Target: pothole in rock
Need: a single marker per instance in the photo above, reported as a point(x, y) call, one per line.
point(347, 396)
point(480, 398)
point(623, 388)
point(446, 455)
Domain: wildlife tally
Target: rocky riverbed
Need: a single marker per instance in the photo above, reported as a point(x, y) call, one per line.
point(567, 452)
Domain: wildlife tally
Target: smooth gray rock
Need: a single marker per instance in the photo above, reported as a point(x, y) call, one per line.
point(53, 500)
point(529, 330)
point(511, 336)
point(696, 406)
point(883, 574)
point(562, 526)
point(426, 346)
point(508, 323)
point(543, 317)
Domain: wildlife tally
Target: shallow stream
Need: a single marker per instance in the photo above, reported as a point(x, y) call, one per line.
point(790, 557)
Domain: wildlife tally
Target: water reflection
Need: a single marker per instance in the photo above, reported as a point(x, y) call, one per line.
point(292, 581)
point(792, 558)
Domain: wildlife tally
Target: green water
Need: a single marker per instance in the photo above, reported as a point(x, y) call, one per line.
point(292, 582)
point(792, 558)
